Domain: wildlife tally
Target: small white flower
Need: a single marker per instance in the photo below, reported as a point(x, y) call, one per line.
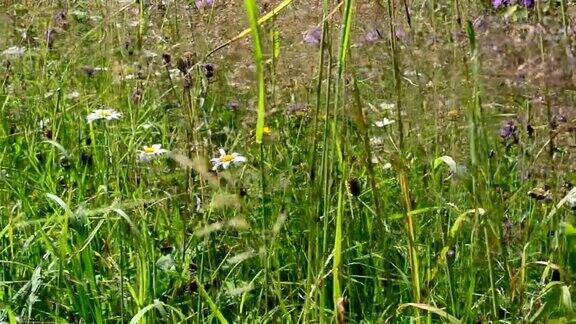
point(384, 122)
point(226, 159)
point(43, 123)
point(146, 125)
point(376, 141)
point(149, 54)
point(14, 51)
point(387, 106)
point(150, 152)
point(175, 74)
point(73, 95)
point(107, 114)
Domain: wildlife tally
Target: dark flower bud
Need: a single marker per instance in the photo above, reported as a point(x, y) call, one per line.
point(86, 159)
point(555, 275)
point(209, 70)
point(243, 192)
point(167, 58)
point(354, 186)
point(530, 131)
point(48, 133)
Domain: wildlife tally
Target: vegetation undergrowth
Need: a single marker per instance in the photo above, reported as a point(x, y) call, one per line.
point(287, 161)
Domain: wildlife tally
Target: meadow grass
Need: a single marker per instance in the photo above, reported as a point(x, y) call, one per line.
point(287, 161)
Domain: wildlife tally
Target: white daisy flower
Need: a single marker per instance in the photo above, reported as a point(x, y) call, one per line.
point(107, 114)
point(226, 159)
point(150, 152)
point(384, 122)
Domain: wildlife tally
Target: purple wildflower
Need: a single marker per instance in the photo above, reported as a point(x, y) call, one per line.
point(233, 105)
point(204, 4)
point(509, 131)
point(313, 35)
point(500, 3)
point(372, 36)
point(503, 3)
point(49, 35)
point(528, 3)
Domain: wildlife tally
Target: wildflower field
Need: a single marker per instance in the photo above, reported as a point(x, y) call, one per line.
point(287, 161)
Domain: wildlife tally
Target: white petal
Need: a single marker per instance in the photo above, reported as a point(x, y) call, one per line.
point(215, 161)
point(222, 152)
point(239, 159)
point(225, 165)
point(143, 157)
point(384, 122)
point(157, 147)
point(92, 117)
point(215, 167)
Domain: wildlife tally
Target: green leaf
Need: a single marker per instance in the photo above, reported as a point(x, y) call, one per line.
point(449, 161)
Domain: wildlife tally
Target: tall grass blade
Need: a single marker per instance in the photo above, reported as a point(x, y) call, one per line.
point(337, 134)
point(252, 11)
point(451, 319)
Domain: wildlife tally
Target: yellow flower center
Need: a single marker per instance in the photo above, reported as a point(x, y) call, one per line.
point(267, 130)
point(149, 150)
point(105, 113)
point(226, 158)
